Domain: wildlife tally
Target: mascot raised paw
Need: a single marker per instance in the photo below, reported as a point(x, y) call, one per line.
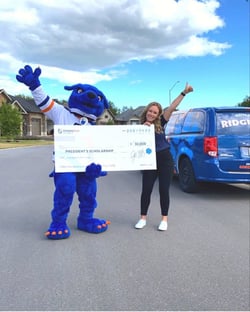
point(85, 104)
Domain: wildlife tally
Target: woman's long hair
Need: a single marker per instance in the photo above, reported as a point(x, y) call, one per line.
point(157, 122)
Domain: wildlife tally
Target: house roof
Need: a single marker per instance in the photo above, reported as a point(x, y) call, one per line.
point(7, 95)
point(27, 105)
point(130, 113)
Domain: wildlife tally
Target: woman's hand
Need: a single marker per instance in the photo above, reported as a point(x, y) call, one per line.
point(188, 89)
point(168, 111)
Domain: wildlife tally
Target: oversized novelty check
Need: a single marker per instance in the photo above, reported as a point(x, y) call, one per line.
point(116, 148)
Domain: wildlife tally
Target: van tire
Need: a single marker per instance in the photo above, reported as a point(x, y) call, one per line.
point(187, 179)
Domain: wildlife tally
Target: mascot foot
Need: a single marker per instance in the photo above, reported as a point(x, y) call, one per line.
point(57, 231)
point(93, 225)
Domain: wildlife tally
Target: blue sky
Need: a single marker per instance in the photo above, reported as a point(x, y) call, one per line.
point(135, 51)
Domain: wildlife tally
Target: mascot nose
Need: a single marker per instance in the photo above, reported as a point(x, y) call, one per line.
point(91, 95)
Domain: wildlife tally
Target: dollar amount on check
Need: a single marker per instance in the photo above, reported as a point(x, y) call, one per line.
point(115, 148)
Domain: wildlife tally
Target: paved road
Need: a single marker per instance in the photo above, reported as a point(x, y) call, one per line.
point(200, 263)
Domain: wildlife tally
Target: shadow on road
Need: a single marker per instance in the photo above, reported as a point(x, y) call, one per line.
point(230, 190)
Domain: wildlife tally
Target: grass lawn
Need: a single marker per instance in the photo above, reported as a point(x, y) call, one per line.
point(23, 143)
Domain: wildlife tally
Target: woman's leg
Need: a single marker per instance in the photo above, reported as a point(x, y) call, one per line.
point(148, 180)
point(166, 170)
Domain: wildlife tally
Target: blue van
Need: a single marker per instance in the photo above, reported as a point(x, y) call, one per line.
point(210, 144)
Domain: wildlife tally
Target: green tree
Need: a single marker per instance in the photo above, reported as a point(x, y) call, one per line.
point(125, 108)
point(10, 121)
point(245, 102)
point(25, 97)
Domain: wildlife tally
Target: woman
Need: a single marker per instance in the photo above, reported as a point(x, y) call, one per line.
point(153, 114)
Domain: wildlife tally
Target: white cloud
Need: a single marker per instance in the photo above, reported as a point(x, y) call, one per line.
point(82, 39)
point(72, 77)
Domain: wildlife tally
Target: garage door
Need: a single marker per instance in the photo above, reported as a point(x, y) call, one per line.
point(36, 126)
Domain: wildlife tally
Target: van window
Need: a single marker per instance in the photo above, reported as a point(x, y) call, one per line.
point(194, 122)
point(174, 124)
point(233, 123)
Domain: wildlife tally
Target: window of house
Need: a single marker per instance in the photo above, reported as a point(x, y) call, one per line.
point(134, 121)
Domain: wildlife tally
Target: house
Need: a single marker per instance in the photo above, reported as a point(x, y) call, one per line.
point(130, 116)
point(35, 123)
point(106, 117)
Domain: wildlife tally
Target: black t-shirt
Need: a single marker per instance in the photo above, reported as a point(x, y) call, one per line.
point(160, 138)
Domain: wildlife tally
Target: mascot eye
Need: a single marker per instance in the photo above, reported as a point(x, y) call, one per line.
point(99, 98)
point(80, 90)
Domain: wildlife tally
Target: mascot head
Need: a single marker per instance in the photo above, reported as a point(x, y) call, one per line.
point(86, 100)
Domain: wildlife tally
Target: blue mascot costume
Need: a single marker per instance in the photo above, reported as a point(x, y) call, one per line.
point(85, 103)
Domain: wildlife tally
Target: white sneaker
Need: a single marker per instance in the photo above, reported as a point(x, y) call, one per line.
point(163, 226)
point(140, 224)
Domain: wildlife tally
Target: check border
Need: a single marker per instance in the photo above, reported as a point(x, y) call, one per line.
point(115, 147)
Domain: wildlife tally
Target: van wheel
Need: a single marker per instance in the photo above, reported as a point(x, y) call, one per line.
point(187, 180)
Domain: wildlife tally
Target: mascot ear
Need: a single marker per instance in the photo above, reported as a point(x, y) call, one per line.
point(70, 88)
